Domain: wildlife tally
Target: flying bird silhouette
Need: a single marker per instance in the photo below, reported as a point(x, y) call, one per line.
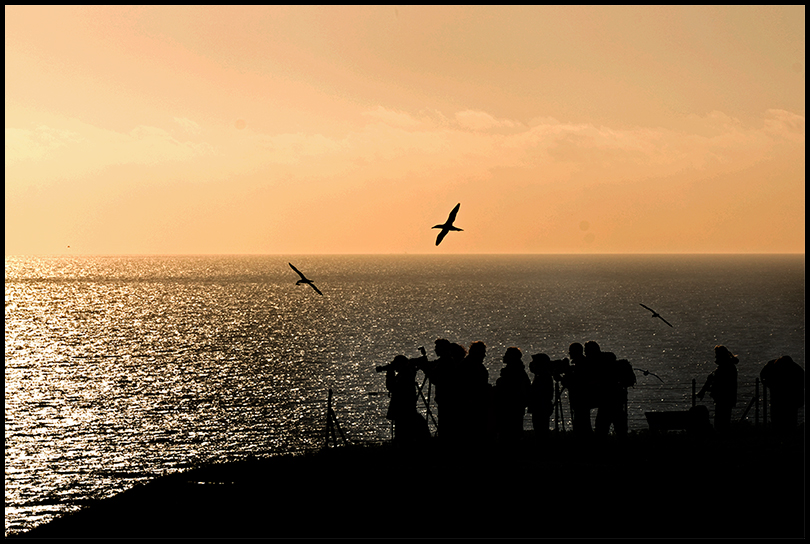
point(304, 280)
point(647, 372)
point(448, 225)
point(656, 314)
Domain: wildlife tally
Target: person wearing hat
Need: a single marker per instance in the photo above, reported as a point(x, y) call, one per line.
point(722, 387)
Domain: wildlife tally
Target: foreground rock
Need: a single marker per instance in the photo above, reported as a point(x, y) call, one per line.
point(745, 485)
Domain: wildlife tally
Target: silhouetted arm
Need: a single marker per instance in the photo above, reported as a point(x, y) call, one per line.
point(706, 386)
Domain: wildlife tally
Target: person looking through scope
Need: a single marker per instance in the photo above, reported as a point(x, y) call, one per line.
point(441, 373)
point(400, 380)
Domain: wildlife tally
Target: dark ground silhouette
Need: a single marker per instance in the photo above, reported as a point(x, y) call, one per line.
point(671, 485)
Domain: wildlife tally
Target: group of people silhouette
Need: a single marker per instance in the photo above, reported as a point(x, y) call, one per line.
point(471, 409)
point(783, 377)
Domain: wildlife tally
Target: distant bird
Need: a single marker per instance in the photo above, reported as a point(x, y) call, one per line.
point(647, 372)
point(448, 225)
point(304, 280)
point(656, 314)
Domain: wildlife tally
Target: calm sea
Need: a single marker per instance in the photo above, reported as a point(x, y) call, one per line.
point(119, 369)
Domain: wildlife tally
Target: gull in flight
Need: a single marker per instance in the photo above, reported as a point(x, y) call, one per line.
point(656, 314)
point(647, 372)
point(448, 225)
point(304, 280)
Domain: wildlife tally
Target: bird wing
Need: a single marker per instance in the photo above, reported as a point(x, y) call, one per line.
point(316, 289)
point(452, 216)
point(653, 311)
point(646, 372)
point(665, 321)
point(298, 271)
point(441, 236)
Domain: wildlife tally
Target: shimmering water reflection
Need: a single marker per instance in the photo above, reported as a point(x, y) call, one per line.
point(122, 368)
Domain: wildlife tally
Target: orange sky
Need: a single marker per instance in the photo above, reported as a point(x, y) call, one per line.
point(230, 130)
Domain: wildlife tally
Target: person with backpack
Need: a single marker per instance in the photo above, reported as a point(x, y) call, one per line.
point(615, 376)
point(784, 379)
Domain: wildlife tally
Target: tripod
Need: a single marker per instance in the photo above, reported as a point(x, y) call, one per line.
point(558, 407)
point(332, 424)
point(427, 400)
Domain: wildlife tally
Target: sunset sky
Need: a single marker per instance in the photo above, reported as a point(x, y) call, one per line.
point(292, 130)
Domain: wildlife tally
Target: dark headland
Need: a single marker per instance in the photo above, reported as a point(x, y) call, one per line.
point(747, 484)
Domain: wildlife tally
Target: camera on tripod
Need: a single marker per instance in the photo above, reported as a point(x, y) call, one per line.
point(400, 361)
point(385, 368)
point(559, 368)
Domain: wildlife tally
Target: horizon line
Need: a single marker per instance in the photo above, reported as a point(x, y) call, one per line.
point(402, 253)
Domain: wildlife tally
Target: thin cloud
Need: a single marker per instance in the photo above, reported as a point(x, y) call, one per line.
point(480, 120)
point(25, 144)
point(188, 125)
point(785, 125)
point(396, 144)
point(154, 145)
point(393, 117)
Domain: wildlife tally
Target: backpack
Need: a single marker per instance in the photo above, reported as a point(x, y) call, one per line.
point(627, 378)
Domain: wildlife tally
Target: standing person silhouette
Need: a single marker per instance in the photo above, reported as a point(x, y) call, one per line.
point(577, 381)
point(541, 395)
point(443, 374)
point(592, 367)
point(400, 380)
point(511, 397)
point(784, 378)
point(453, 396)
point(615, 376)
point(474, 393)
point(722, 387)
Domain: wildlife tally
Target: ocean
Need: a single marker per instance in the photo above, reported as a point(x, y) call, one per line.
point(119, 369)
